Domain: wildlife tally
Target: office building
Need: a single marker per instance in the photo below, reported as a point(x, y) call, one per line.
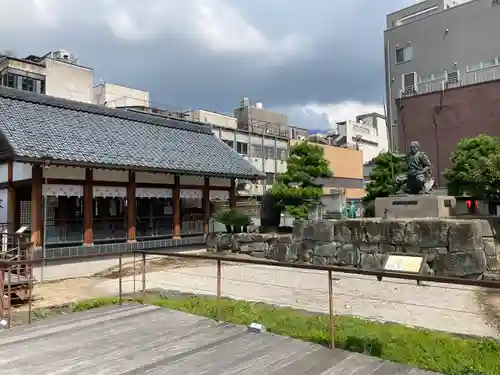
point(437, 45)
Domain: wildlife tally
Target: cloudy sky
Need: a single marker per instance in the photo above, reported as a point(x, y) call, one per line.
point(318, 60)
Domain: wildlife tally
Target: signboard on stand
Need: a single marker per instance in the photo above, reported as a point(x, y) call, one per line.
point(406, 263)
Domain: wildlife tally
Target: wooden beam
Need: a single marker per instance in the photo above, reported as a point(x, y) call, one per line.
point(36, 205)
point(131, 208)
point(232, 194)
point(11, 199)
point(88, 209)
point(176, 205)
point(206, 205)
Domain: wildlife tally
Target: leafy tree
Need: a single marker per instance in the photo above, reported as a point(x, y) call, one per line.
point(297, 190)
point(475, 168)
point(386, 176)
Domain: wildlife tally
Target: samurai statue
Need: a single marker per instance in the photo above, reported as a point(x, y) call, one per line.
point(419, 179)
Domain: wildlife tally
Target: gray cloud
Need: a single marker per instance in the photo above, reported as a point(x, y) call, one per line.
point(292, 52)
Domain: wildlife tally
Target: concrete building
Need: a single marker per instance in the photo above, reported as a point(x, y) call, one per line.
point(257, 119)
point(56, 74)
point(439, 44)
point(368, 134)
point(116, 96)
point(267, 152)
point(347, 167)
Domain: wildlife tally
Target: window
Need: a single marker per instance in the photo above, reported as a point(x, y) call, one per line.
point(270, 178)
point(269, 152)
point(490, 63)
point(441, 76)
point(452, 76)
point(404, 54)
point(25, 83)
point(11, 80)
point(483, 64)
point(242, 148)
point(281, 153)
point(229, 143)
point(257, 151)
point(409, 82)
point(474, 67)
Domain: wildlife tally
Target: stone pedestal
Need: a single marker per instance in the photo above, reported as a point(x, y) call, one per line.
point(414, 206)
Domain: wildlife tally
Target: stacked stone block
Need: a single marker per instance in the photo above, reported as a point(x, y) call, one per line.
point(453, 247)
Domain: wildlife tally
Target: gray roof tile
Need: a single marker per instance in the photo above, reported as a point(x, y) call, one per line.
point(38, 126)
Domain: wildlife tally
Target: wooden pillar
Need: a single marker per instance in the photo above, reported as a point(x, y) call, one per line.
point(131, 208)
point(88, 209)
point(232, 194)
point(176, 205)
point(36, 205)
point(11, 203)
point(206, 205)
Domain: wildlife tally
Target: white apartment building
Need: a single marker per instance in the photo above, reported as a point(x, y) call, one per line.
point(368, 133)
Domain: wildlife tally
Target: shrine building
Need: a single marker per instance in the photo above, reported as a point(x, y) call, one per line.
point(86, 179)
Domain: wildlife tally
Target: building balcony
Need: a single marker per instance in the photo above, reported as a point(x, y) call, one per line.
point(354, 130)
point(460, 80)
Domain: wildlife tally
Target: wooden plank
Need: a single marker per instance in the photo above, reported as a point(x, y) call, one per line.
point(355, 364)
point(59, 320)
point(415, 371)
point(79, 325)
point(137, 339)
point(312, 361)
point(223, 358)
point(115, 348)
point(281, 349)
point(390, 368)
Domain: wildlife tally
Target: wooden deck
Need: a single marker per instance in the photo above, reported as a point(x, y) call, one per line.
point(131, 340)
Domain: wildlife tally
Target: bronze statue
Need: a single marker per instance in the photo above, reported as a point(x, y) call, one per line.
point(419, 179)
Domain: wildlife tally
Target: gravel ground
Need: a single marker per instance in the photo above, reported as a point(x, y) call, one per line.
point(434, 306)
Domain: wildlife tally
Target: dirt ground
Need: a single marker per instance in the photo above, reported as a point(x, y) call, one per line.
point(490, 300)
point(61, 292)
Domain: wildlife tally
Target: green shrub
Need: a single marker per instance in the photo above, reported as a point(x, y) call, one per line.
point(232, 219)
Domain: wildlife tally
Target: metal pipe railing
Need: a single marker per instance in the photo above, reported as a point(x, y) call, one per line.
point(6, 267)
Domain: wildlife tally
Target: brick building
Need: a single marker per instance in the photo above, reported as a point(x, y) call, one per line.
point(440, 119)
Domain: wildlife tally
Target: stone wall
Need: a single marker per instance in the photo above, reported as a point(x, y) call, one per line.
point(454, 247)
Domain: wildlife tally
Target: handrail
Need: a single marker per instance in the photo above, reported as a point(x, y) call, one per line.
point(355, 271)
point(256, 261)
point(235, 259)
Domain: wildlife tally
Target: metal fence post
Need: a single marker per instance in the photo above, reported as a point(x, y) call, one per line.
point(330, 306)
point(30, 294)
point(9, 293)
point(120, 279)
point(219, 289)
point(143, 288)
point(134, 273)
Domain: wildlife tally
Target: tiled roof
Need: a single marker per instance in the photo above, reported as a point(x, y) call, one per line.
point(39, 126)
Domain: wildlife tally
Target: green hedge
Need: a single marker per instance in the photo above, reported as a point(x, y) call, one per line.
point(434, 351)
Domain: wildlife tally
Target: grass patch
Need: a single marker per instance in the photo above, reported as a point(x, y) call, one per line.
point(434, 351)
